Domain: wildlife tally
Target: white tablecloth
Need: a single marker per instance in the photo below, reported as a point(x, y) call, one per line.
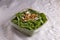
point(50, 7)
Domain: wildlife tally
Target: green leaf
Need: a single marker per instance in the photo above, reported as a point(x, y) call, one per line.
point(38, 23)
point(32, 11)
point(15, 21)
point(43, 16)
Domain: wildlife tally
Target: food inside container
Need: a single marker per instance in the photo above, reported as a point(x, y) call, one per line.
point(29, 20)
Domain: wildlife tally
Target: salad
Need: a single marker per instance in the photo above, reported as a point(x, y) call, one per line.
point(29, 19)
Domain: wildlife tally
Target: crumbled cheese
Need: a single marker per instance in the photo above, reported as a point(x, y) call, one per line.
point(22, 17)
point(36, 18)
point(27, 12)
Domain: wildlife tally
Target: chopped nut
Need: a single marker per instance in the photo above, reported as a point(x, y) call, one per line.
point(25, 20)
point(33, 16)
point(29, 16)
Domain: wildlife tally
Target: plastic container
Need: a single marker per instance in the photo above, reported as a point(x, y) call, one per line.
point(26, 31)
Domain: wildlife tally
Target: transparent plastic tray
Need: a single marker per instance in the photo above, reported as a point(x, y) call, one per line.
point(26, 31)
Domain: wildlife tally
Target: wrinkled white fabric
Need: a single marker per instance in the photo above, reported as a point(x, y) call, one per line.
point(50, 7)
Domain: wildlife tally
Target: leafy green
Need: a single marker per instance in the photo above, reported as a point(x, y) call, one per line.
point(43, 17)
point(30, 24)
